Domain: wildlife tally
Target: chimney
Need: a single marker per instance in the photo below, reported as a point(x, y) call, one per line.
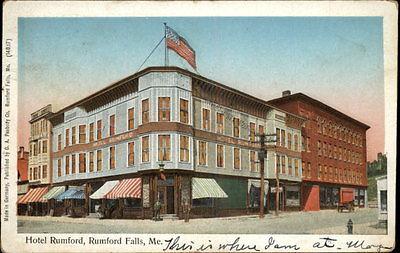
point(286, 93)
point(21, 152)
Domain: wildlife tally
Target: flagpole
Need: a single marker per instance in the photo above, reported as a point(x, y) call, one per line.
point(165, 46)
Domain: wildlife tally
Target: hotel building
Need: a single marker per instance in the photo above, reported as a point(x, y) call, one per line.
point(184, 139)
point(333, 153)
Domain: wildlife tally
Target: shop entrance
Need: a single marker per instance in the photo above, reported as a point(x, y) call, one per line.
point(166, 195)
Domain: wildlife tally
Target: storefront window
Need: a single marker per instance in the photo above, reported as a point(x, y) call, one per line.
point(205, 202)
point(292, 196)
point(254, 196)
point(383, 200)
point(131, 202)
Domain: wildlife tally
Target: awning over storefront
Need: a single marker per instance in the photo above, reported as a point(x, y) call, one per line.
point(68, 194)
point(126, 188)
point(206, 188)
point(102, 191)
point(257, 183)
point(80, 194)
point(34, 195)
point(54, 192)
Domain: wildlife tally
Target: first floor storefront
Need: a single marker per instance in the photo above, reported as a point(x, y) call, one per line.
point(329, 196)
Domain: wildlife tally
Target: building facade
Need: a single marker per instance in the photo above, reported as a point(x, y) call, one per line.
point(176, 132)
point(333, 153)
point(39, 147)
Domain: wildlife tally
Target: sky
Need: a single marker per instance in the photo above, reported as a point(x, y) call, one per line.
point(336, 60)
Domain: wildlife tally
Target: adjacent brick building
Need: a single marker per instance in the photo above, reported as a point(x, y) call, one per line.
point(333, 153)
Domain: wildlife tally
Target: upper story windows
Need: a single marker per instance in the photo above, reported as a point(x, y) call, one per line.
point(67, 137)
point(183, 111)
point(206, 120)
point(183, 148)
point(58, 143)
point(82, 134)
point(131, 115)
point(202, 153)
point(112, 125)
point(99, 129)
point(145, 111)
point(220, 156)
point(91, 132)
point(164, 147)
point(236, 127)
point(236, 158)
point(145, 149)
point(164, 109)
point(252, 131)
point(112, 158)
point(73, 139)
point(220, 123)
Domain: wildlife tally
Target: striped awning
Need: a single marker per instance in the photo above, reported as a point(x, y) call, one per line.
point(103, 190)
point(126, 188)
point(206, 188)
point(54, 192)
point(34, 195)
point(69, 193)
point(79, 194)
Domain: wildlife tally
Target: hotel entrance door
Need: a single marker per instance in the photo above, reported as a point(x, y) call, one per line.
point(166, 195)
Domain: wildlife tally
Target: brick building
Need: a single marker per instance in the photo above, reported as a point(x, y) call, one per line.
point(333, 153)
point(22, 166)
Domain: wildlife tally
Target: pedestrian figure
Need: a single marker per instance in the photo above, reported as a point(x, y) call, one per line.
point(157, 210)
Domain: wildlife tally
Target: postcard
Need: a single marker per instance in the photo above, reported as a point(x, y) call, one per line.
point(210, 126)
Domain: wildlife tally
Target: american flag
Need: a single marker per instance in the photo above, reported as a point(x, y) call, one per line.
point(180, 46)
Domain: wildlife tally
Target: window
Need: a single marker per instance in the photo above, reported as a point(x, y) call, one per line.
point(145, 111)
point(91, 162)
point(58, 169)
point(184, 111)
point(260, 129)
point(324, 151)
point(283, 164)
point(44, 146)
point(145, 149)
point(220, 123)
point(326, 173)
point(252, 131)
point(220, 156)
point(278, 164)
point(253, 164)
point(39, 147)
point(58, 143)
point(82, 163)
point(330, 150)
point(308, 144)
point(290, 166)
point(336, 174)
point(319, 171)
point(309, 170)
point(206, 119)
point(67, 165)
point(112, 125)
point(67, 137)
point(278, 136)
point(112, 158)
point(164, 147)
point(296, 142)
point(305, 171)
point(319, 148)
point(99, 157)
point(202, 153)
point(131, 113)
point(319, 126)
point(383, 197)
point(44, 171)
point(73, 135)
point(334, 152)
point(131, 153)
point(164, 111)
point(303, 143)
point(340, 153)
point(283, 136)
point(99, 130)
point(296, 167)
point(82, 134)
point(91, 132)
point(331, 173)
point(236, 158)
point(289, 140)
point(73, 164)
point(184, 148)
point(236, 129)
point(35, 172)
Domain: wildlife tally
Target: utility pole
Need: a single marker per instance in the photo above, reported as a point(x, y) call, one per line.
point(262, 155)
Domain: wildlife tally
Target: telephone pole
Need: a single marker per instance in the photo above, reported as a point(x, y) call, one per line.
point(262, 155)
